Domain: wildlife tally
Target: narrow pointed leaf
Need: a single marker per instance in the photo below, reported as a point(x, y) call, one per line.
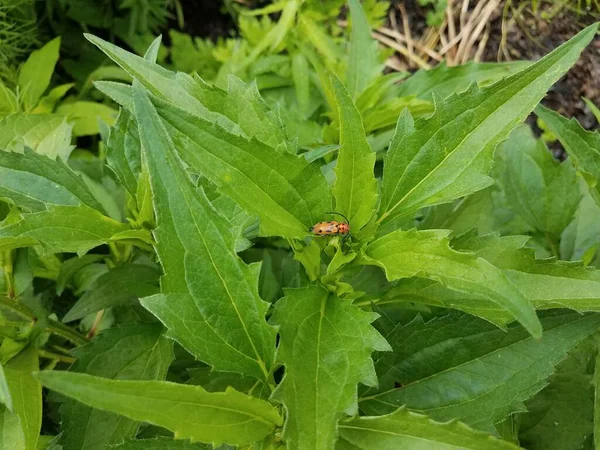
point(445, 81)
point(131, 352)
point(74, 229)
point(189, 411)
point(448, 155)
point(583, 147)
point(36, 72)
point(355, 188)
point(296, 195)
point(426, 254)
point(470, 370)
point(35, 182)
point(205, 282)
point(363, 63)
point(26, 393)
point(5, 397)
point(124, 152)
point(408, 430)
point(325, 346)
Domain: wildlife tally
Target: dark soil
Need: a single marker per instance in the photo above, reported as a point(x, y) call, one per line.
point(207, 19)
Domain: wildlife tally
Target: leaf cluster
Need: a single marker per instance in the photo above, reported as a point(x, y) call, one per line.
point(168, 293)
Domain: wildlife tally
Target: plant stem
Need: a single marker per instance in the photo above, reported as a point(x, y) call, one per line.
point(53, 326)
point(56, 356)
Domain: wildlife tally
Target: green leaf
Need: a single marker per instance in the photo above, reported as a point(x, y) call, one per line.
point(35, 74)
point(118, 286)
point(583, 147)
point(293, 200)
point(426, 254)
point(582, 235)
point(540, 189)
point(546, 283)
point(85, 115)
point(49, 101)
point(363, 61)
point(70, 267)
point(467, 369)
point(26, 394)
point(161, 443)
point(47, 134)
point(11, 437)
point(404, 429)
point(194, 243)
point(593, 108)
point(132, 352)
point(124, 152)
point(325, 345)
point(5, 397)
point(444, 81)
point(221, 417)
point(34, 182)
point(561, 415)
point(355, 188)
point(74, 229)
point(448, 155)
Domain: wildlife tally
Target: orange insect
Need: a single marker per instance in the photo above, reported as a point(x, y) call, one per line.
point(332, 227)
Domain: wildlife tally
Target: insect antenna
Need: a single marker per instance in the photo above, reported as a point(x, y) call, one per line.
point(333, 212)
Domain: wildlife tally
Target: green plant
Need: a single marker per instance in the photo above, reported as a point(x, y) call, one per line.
point(460, 313)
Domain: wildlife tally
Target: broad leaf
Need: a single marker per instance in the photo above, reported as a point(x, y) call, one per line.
point(132, 352)
point(74, 229)
point(363, 64)
point(26, 395)
point(161, 443)
point(194, 244)
point(448, 155)
point(47, 134)
point(490, 371)
point(35, 182)
point(583, 147)
point(355, 188)
point(295, 196)
point(407, 430)
point(221, 417)
point(36, 72)
point(70, 267)
point(119, 286)
point(561, 415)
point(540, 189)
point(426, 254)
point(444, 81)
point(325, 345)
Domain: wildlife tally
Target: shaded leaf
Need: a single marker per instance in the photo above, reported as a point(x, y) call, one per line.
point(118, 286)
point(468, 369)
point(583, 147)
point(161, 443)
